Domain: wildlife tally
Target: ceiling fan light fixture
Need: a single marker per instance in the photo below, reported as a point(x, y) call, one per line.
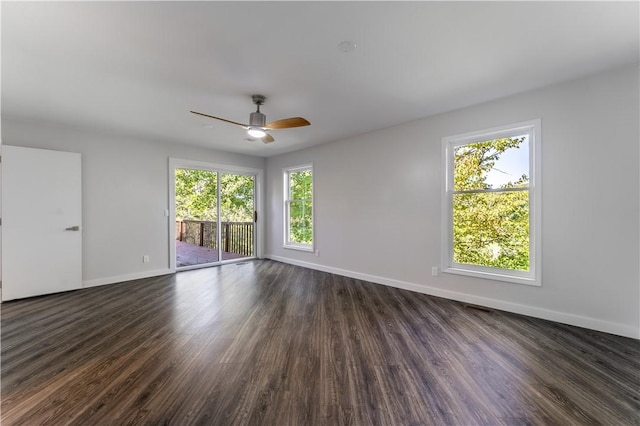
point(256, 132)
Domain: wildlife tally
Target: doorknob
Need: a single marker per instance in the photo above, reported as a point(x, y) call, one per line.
point(73, 228)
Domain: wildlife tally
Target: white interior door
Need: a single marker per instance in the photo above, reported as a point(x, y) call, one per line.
point(41, 222)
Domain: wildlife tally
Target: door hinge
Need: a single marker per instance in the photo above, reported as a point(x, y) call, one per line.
point(255, 216)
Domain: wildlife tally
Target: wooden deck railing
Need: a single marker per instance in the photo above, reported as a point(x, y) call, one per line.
point(237, 237)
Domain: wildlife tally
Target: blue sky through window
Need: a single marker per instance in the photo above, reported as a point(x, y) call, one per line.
point(512, 164)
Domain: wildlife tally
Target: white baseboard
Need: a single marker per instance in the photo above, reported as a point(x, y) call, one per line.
point(128, 277)
point(532, 311)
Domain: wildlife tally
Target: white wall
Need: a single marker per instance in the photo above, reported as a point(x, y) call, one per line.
point(377, 204)
point(124, 195)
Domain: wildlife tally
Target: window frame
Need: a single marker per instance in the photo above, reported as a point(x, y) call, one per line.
point(533, 128)
point(288, 244)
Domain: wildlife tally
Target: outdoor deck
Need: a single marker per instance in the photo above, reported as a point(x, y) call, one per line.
point(191, 254)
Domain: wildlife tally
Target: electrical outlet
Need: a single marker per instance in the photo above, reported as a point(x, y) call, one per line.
point(317, 253)
point(435, 271)
point(145, 258)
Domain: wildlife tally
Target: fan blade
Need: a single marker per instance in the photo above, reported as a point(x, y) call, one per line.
point(267, 139)
point(286, 123)
point(245, 126)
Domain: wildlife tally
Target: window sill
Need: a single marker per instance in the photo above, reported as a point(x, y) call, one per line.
point(299, 247)
point(496, 276)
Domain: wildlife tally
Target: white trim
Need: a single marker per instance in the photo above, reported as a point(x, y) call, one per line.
point(533, 277)
point(507, 276)
point(175, 163)
point(127, 277)
point(285, 201)
point(532, 311)
point(300, 247)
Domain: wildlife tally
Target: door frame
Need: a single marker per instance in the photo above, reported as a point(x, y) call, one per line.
point(177, 163)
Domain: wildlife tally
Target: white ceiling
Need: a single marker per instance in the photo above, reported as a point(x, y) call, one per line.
point(137, 68)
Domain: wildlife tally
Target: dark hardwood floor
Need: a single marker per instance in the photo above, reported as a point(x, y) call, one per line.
point(264, 343)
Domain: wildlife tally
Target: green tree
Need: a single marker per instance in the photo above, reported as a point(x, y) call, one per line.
point(489, 228)
point(236, 198)
point(196, 196)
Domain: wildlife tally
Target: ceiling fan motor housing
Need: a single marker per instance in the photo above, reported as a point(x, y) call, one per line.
point(257, 119)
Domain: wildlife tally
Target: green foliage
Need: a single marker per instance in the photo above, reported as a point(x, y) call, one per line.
point(196, 196)
point(474, 161)
point(489, 228)
point(236, 198)
point(300, 207)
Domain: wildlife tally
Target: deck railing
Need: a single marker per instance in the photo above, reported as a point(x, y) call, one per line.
point(237, 237)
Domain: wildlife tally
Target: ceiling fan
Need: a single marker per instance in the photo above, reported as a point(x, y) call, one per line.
point(257, 128)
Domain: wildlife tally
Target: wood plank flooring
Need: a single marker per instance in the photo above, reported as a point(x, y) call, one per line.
point(264, 343)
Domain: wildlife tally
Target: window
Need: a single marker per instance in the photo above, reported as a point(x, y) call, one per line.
point(491, 204)
point(298, 207)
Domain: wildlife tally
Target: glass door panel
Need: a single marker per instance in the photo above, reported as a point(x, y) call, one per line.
point(196, 217)
point(237, 215)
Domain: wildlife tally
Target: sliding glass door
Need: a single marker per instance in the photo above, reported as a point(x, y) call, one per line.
point(214, 212)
